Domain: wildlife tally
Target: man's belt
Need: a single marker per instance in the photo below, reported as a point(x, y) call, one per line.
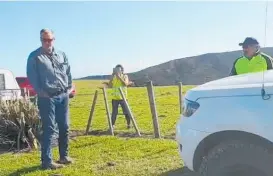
point(58, 93)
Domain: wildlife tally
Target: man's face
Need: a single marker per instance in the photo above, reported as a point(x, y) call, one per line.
point(47, 40)
point(249, 50)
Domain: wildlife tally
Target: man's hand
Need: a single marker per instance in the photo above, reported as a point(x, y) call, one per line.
point(120, 77)
point(69, 91)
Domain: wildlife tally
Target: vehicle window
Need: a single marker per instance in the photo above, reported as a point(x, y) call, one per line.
point(20, 80)
point(2, 82)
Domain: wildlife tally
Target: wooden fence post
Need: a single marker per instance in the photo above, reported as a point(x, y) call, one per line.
point(180, 85)
point(107, 111)
point(91, 112)
point(153, 109)
point(129, 111)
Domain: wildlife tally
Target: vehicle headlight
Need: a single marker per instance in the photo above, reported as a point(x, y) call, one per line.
point(189, 107)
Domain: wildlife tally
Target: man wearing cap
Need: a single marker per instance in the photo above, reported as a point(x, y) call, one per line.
point(253, 59)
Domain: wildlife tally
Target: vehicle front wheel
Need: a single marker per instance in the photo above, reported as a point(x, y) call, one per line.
point(237, 158)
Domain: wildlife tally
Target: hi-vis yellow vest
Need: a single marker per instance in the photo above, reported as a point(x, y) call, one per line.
point(116, 84)
point(259, 62)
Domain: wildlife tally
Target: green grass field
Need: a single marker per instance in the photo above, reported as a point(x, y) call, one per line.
point(102, 154)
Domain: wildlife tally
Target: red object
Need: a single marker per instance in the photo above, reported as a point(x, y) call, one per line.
point(23, 82)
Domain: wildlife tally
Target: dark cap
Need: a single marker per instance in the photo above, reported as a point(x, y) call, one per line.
point(249, 41)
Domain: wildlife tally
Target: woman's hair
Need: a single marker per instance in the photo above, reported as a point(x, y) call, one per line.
point(120, 66)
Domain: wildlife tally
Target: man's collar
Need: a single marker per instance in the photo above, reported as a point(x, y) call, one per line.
point(44, 52)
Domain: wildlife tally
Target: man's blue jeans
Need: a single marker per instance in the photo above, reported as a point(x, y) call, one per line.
point(54, 110)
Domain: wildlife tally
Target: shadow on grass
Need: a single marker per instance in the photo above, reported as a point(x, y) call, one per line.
point(25, 170)
point(75, 133)
point(180, 172)
point(154, 155)
point(4, 151)
point(122, 134)
point(87, 145)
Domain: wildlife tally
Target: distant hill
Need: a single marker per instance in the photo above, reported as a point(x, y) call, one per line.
point(193, 70)
point(96, 77)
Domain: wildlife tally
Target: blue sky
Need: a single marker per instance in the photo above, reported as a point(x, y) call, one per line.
point(98, 35)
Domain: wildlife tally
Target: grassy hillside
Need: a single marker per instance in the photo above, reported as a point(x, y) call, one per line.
point(193, 70)
point(123, 154)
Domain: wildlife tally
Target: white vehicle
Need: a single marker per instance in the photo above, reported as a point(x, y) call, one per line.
point(227, 126)
point(9, 88)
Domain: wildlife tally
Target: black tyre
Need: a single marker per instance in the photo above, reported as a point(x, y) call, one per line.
point(237, 158)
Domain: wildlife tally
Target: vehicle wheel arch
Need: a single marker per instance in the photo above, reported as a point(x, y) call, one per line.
point(216, 138)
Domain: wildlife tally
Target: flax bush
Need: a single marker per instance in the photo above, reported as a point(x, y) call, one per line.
point(19, 124)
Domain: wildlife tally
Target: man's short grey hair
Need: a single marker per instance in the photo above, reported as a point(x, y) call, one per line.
point(46, 30)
